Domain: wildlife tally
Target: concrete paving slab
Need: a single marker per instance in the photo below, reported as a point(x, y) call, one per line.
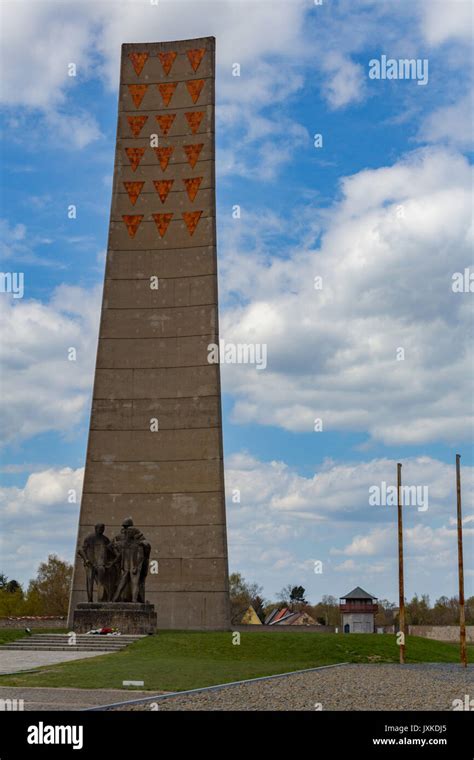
point(67, 699)
point(14, 661)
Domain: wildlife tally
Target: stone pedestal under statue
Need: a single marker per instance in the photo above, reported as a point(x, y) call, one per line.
point(127, 617)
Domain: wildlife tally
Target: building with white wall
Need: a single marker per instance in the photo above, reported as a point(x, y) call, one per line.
point(358, 610)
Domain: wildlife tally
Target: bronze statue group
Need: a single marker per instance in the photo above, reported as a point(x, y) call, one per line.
point(117, 567)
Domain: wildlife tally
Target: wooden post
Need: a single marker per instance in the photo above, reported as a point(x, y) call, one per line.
point(401, 585)
point(462, 613)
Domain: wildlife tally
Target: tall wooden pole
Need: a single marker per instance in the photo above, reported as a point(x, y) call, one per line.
point(401, 585)
point(462, 613)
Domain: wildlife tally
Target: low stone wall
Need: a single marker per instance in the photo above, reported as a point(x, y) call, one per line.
point(36, 622)
point(441, 632)
point(284, 628)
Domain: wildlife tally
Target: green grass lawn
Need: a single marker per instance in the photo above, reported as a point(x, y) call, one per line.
point(173, 660)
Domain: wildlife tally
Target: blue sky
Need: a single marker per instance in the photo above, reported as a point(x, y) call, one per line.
point(381, 211)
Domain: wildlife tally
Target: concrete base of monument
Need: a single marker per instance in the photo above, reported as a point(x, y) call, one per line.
point(127, 617)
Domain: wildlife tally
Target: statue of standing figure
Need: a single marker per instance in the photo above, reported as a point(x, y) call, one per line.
point(118, 567)
point(99, 560)
point(133, 554)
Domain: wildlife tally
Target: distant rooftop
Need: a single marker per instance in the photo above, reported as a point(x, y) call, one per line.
point(358, 593)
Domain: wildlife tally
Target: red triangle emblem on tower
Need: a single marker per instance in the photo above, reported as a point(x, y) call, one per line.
point(138, 60)
point(162, 222)
point(165, 122)
point(194, 88)
point(195, 57)
point(163, 155)
point(136, 124)
point(135, 155)
point(133, 189)
point(132, 223)
point(162, 187)
point(137, 91)
point(194, 119)
point(167, 91)
point(192, 186)
point(191, 219)
point(192, 153)
point(167, 60)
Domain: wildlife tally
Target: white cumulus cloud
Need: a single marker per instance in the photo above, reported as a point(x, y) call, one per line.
point(42, 390)
point(383, 348)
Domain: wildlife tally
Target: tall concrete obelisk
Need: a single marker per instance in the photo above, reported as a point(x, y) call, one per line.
point(155, 443)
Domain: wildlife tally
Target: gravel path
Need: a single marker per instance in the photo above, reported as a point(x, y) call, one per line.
point(12, 661)
point(349, 687)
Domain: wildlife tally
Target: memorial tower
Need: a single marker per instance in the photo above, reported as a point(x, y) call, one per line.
point(155, 443)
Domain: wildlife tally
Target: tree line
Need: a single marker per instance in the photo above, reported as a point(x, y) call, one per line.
point(418, 611)
point(46, 594)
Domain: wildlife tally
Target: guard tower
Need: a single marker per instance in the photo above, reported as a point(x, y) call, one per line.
point(358, 610)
